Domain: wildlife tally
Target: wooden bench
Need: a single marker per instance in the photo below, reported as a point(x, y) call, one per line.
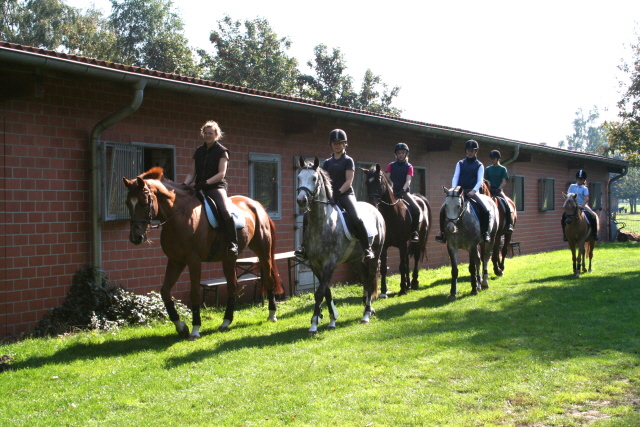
point(515, 245)
point(209, 286)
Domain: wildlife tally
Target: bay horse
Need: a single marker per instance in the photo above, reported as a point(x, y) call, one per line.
point(503, 239)
point(462, 231)
point(579, 235)
point(398, 228)
point(187, 238)
point(326, 244)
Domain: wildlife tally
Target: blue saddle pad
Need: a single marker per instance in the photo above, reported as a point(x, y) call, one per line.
point(238, 217)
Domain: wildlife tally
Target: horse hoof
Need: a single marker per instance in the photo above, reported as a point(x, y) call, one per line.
point(194, 337)
point(223, 328)
point(474, 292)
point(402, 292)
point(330, 328)
point(452, 298)
point(383, 296)
point(498, 273)
point(273, 319)
point(313, 333)
point(365, 321)
point(182, 329)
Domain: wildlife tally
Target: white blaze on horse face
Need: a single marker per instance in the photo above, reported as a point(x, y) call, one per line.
point(306, 179)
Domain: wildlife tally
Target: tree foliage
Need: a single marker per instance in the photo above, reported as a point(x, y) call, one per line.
point(587, 136)
point(624, 135)
point(329, 83)
point(250, 54)
point(628, 187)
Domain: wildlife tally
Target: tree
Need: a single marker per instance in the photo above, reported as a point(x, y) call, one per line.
point(629, 188)
point(251, 57)
point(586, 136)
point(624, 135)
point(38, 23)
point(330, 84)
point(149, 34)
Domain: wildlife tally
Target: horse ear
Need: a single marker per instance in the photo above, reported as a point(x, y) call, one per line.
point(126, 182)
point(564, 194)
point(316, 163)
point(377, 168)
point(445, 189)
point(140, 182)
point(301, 162)
point(365, 171)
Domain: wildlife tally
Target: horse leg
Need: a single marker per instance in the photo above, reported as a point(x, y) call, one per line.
point(173, 271)
point(320, 294)
point(590, 253)
point(404, 269)
point(271, 297)
point(572, 246)
point(415, 253)
point(453, 256)
point(229, 270)
point(383, 272)
point(333, 312)
point(505, 249)
point(583, 252)
point(486, 248)
point(474, 264)
point(495, 257)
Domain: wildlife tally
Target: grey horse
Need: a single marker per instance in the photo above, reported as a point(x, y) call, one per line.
point(463, 232)
point(326, 244)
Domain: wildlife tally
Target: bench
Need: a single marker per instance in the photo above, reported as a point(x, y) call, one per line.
point(209, 286)
point(515, 245)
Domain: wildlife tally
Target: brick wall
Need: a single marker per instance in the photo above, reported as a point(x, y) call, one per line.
point(46, 185)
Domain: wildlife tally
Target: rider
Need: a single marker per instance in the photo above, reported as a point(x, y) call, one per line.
point(580, 188)
point(469, 175)
point(400, 173)
point(497, 176)
point(209, 170)
point(341, 169)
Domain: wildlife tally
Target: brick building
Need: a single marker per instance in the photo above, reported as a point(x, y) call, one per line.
point(72, 127)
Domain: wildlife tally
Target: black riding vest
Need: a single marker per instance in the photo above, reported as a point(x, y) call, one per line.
point(208, 162)
point(337, 169)
point(468, 177)
point(398, 175)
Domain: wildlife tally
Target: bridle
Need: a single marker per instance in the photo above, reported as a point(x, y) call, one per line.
point(377, 197)
point(311, 195)
point(153, 208)
point(465, 201)
point(574, 216)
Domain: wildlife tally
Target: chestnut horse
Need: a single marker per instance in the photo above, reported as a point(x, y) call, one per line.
point(578, 232)
point(398, 224)
point(187, 238)
point(500, 244)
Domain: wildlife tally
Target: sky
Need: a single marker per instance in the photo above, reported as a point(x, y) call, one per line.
point(512, 69)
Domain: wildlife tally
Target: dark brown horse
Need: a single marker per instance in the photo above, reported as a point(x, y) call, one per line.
point(187, 240)
point(503, 239)
point(398, 224)
point(579, 235)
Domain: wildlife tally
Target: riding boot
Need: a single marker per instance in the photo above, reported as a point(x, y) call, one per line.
point(507, 220)
point(594, 227)
point(301, 252)
point(415, 226)
point(364, 241)
point(232, 235)
point(564, 224)
point(484, 227)
point(440, 237)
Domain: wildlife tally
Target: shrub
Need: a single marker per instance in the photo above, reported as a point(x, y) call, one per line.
point(103, 306)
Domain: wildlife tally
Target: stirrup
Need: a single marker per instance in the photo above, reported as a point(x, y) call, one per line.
point(510, 228)
point(564, 239)
point(232, 250)
point(440, 238)
point(415, 237)
point(300, 253)
point(486, 237)
point(368, 254)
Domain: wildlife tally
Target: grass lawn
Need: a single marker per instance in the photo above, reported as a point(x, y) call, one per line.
point(539, 348)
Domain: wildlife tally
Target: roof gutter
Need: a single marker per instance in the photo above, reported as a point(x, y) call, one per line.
point(94, 141)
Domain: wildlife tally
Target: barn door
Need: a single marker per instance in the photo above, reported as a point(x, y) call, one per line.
point(303, 275)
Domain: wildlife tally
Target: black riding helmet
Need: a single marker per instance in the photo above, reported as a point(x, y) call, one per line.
point(581, 174)
point(494, 154)
point(337, 135)
point(471, 144)
point(401, 146)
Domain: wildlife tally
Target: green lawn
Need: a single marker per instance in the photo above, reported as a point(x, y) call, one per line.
point(539, 348)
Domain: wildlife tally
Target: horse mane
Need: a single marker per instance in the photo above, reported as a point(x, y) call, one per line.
point(324, 177)
point(155, 172)
point(569, 197)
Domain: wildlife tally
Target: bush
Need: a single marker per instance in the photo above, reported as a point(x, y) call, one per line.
point(102, 306)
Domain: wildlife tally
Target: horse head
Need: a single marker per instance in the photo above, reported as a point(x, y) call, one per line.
point(143, 207)
point(376, 184)
point(571, 207)
point(309, 182)
point(454, 207)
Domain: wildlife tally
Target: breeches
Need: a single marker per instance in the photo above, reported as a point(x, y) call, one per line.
point(219, 196)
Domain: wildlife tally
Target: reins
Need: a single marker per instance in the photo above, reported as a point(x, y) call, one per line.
point(151, 204)
point(462, 211)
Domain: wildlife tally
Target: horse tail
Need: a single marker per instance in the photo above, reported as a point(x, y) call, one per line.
point(277, 282)
point(419, 249)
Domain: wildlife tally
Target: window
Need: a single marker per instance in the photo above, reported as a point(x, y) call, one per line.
point(264, 182)
point(359, 186)
point(419, 181)
point(517, 195)
point(129, 160)
point(547, 192)
point(595, 195)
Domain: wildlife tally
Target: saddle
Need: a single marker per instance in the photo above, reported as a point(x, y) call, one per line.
point(212, 213)
point(350, 228)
